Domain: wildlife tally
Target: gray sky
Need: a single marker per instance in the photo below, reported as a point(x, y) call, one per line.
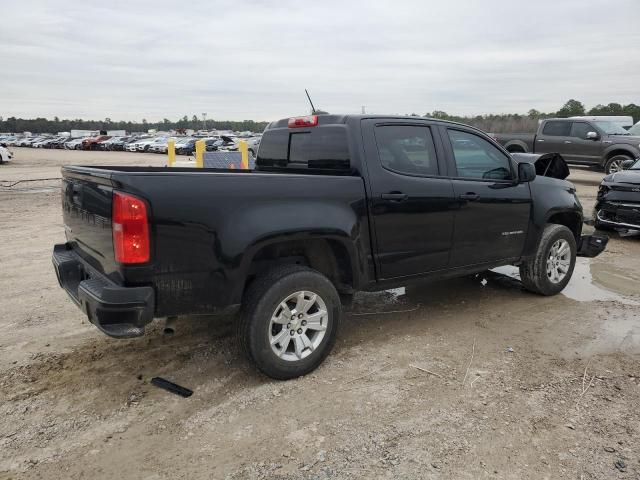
point(252, 59)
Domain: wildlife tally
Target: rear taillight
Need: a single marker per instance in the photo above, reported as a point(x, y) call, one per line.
point(130, 226)
point(301, 122)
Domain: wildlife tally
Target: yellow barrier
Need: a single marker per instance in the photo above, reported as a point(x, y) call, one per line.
point(171, 152)
point(200, 148)
point(243, 148)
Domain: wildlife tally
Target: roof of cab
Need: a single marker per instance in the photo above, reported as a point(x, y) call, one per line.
point(333, 119)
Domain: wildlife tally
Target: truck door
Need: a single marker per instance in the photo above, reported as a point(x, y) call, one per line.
point(493, 211)
point(554, 138)
point(583, 149)
point(411, 200)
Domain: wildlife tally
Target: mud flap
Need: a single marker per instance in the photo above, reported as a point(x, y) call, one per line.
point(592, 245)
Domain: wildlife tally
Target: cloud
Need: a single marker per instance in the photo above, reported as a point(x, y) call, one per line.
point(253, 59)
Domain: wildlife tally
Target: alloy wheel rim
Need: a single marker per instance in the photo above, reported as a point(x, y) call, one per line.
point(298, 325)
point(615, 166)
point(558, 261)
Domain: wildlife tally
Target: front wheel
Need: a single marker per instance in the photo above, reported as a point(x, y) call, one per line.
point(289, 321)
point(549, 271)
point(615, 164)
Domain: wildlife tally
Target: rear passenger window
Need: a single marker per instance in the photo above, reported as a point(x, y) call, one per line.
point(407, 149)
point(556, 129)
point(477, 158)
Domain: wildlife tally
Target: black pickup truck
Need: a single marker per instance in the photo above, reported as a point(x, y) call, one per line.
point(579, 141)
point(336, 205)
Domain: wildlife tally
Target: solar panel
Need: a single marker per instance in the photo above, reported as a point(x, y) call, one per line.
point(226, 160)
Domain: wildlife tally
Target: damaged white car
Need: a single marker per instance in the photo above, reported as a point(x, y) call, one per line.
point(5, 154)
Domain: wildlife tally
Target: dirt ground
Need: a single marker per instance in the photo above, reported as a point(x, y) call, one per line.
point(512, 386)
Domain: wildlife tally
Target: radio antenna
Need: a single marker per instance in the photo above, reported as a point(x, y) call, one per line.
point(313, 109)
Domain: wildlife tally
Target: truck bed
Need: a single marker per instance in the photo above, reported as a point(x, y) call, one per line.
point(205, 223)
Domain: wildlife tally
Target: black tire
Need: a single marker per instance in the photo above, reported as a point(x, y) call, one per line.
point(261, 301)
point(533, 271)
point(614, 162)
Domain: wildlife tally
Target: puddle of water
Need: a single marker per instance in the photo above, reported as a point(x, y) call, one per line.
point(591, 282)
point(398, 292)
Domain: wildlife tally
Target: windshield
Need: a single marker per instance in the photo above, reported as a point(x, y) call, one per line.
point(611, 128)
point(635, 130)
point(635, 166)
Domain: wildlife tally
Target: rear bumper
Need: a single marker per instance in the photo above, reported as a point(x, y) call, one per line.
point(120, 312)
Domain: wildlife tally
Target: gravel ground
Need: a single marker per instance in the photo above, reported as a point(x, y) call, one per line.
point(509, 386)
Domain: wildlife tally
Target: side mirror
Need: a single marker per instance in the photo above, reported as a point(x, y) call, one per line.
point(526, 172)
point(592, 136)
point(627, 164)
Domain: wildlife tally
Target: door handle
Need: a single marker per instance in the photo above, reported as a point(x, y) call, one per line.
point(568, 141)
point(469, 196)
point(540, 140)
point(394, 196)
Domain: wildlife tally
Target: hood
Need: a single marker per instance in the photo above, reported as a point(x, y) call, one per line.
point(547, 165)
point(631, 177)
point(632, 140)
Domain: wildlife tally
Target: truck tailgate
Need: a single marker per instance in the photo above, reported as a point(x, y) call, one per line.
point(86, 212)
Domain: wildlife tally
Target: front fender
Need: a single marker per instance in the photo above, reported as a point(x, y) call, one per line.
point(621, 148)
point(552, 198)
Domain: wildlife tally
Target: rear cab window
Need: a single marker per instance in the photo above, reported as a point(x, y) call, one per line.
point(322, 147)
point(556, 128)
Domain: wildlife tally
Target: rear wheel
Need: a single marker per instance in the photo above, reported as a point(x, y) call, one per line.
point(614, 164)
point(289, 321)
point(549, 271)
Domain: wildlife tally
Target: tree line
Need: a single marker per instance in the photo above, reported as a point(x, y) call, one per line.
point(44, 125)
point(528, 123)
point(497, 123)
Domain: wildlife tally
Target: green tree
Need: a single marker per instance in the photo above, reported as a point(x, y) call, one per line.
point(571, 108)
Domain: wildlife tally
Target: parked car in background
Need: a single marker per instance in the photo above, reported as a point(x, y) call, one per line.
point(58, 142)
point(160, 146)
point(618, 201)
point(186, 147)
point(5, 154)
point(74, 144)
point(181, 142)
point(28, 141)
point(9, 140)
point(581, 142)
point(114, 143)
point(253, 143)
point(92, 143)
point(42, 142)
